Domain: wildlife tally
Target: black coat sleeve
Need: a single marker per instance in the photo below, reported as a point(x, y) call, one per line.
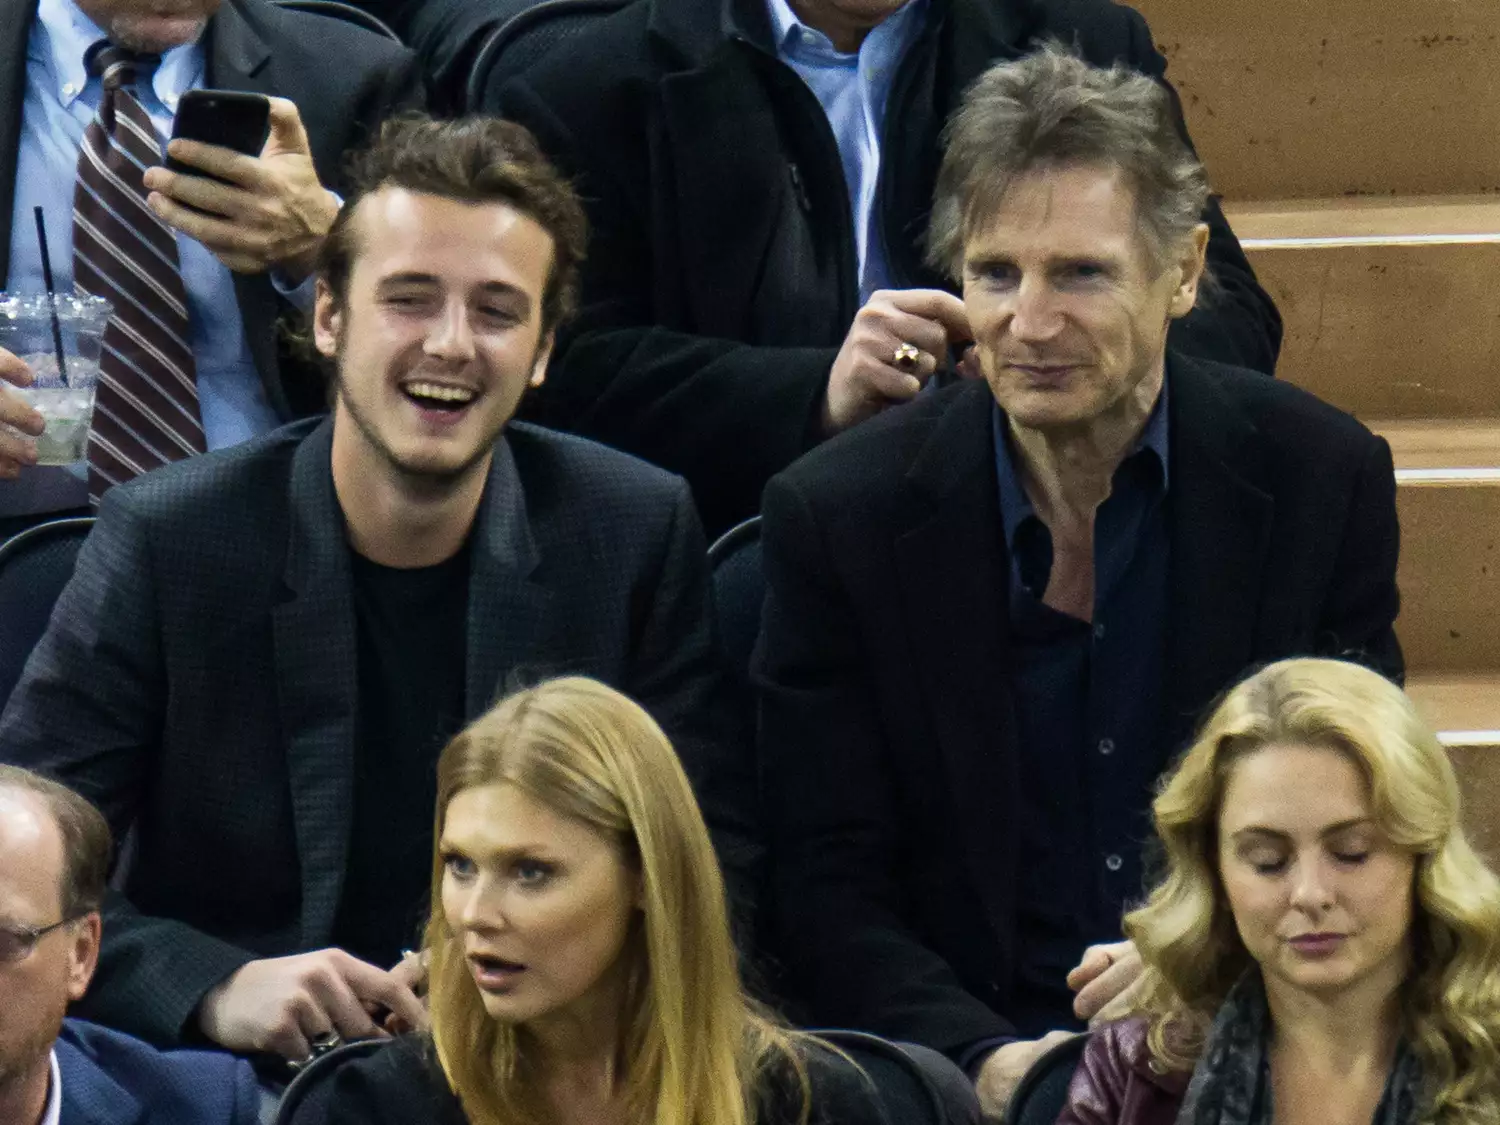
point(89, 711)
point(723, 414)
point(840, 924)
point(1359, 612)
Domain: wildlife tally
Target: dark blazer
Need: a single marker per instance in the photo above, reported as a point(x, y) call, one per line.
point(403, 1083)
point(111, 1079)
point(1118, 1082)
point(198, 680)
point(254, 45)
point(721, 276)
point(887, 740)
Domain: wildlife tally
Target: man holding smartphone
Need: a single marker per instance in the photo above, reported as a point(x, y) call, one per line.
point(219, 250)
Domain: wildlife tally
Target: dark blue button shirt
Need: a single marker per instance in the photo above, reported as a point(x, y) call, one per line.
point(1088, 702)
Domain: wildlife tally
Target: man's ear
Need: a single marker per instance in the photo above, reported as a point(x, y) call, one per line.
point(543, 357)
point(328, 319)
point(83, 954)
point(1190, 265)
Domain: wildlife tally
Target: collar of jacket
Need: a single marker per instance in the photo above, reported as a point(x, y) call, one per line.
point(691, 31)
point(237, 45)
point(1130, 1036)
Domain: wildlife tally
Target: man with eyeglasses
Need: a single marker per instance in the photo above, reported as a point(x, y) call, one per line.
point(54, 856)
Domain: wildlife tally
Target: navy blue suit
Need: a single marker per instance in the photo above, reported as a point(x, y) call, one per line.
point(109, 1078)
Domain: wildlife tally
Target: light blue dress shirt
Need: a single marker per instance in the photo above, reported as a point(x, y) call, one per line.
point(853, 90)
point(61, 100)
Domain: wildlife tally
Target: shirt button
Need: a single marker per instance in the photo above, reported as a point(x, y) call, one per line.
point(1113, 862)
point(70, 89)
point(1106, 746)
point(1098, 630)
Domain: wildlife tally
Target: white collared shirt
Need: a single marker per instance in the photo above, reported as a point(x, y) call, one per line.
point(53, 1113)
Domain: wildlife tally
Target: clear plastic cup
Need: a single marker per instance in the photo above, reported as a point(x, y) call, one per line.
point(64, 397)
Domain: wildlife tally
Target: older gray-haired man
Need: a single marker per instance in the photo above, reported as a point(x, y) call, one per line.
point(758, 175)
point(994, 615)
point(54, 853)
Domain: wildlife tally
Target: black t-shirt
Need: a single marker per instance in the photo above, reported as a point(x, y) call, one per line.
point(410, 629)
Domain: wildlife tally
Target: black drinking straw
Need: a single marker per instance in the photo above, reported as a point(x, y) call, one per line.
point(41, 238)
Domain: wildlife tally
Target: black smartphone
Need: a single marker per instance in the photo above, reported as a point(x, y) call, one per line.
point(227, 118)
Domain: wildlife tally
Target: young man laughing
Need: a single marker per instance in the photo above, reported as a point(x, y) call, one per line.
point(263, 650)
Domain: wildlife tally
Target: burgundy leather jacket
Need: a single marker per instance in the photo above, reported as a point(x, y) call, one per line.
point(1118, 1082)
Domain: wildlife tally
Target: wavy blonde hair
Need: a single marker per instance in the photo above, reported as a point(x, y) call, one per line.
point(694, 1049)
point(1186, 933)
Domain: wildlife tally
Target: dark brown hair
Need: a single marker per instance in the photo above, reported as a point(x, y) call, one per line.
point(85, 838)
point(477, 160)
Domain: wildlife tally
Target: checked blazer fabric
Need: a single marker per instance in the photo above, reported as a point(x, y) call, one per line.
point(113, 1079)
point(198, 680)
point(146, 411)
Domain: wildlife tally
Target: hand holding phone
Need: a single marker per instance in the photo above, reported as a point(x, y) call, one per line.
point(226, 118)
point(245, 188)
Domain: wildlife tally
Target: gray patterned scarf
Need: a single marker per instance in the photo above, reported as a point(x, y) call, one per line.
point(1231, 1085)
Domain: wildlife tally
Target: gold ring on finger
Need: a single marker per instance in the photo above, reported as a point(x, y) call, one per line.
point(908, 356)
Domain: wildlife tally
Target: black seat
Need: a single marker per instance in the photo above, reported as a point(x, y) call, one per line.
point(739, 594)
point(1043, 1090)
point(940, 1087)
point(533, 29)
point(346, 12)
point(945, 1090)
point(311, 1087)
point(34, 567)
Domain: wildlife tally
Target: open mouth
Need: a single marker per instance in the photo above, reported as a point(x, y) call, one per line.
point(494, 972)
point(448, 398)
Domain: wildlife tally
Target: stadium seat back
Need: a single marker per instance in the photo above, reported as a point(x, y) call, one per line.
point(535, 29)
point(346, 12)
point(34, 567)
point(739, 594)
point(312, 1088)
point(1043, 1090)
point(945, 1093)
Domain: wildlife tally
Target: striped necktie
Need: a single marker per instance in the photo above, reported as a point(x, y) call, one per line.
point(146, 410)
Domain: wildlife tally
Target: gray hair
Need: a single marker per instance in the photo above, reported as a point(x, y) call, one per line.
point(1051, 108)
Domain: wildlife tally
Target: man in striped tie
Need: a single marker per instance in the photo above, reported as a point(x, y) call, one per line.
point(199, 267)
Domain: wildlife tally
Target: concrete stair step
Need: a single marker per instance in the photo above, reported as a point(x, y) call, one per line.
point(1464, 707)
point(1449, 572)
point(1342, 96)
point(1442, 449)
point(1465, 710)
point(1386, 306)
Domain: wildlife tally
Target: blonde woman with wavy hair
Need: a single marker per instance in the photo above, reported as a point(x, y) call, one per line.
point(580, 963)
point(1324, 945)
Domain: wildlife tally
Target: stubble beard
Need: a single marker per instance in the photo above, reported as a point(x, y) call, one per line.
point(126, 32)
point(418, 479)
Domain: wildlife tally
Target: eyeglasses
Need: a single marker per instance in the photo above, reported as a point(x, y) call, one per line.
point(17, 944)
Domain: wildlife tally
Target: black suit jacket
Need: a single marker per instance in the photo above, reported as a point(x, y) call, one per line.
point(198, 681)
point(721, 273)
point(254, 45)
point(887, 739)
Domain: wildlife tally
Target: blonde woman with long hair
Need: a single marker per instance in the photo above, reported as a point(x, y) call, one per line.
point(1324, 947)
point(581, 968)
